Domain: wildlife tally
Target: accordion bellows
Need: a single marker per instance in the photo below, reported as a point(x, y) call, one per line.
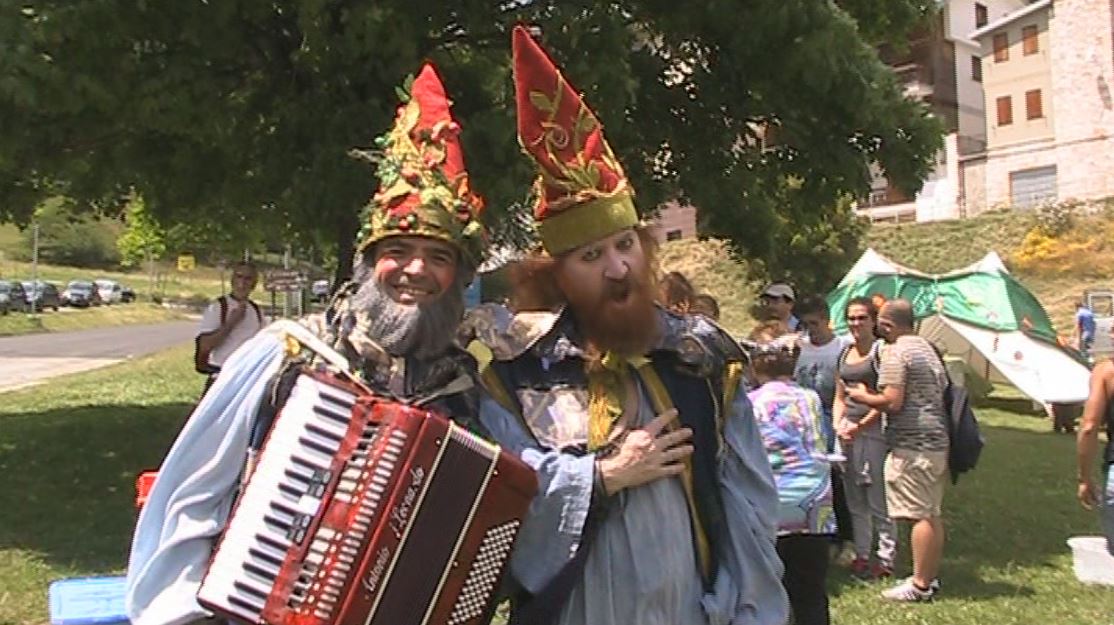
point(370, 512)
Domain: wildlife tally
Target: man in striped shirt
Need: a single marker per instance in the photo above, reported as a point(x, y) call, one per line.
point(912, 382)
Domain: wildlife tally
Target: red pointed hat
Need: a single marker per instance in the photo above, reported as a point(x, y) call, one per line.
point(423, 184)
point(581, 192)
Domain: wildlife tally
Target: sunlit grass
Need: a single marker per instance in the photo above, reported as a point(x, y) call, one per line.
point(81, 318)
point(69, 452)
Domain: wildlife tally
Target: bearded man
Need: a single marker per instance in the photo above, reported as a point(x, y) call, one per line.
point(657, 505)
point(392, 327)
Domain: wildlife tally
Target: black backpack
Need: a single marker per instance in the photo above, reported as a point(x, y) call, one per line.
point(965, 440)
point(201, 360)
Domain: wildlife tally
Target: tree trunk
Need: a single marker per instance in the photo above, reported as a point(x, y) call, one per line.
point(346, 228)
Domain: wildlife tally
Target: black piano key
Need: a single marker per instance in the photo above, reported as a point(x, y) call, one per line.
point(282, 526)
point(322, 432)
point(309, 443)
point(244, 604)
point(285, 509)
point(308, 462)
point(263, 555)
point(300, 474)
point(242, 587)
point(332, 415)
point(271, 542)
point(344, 401)
point(293, 491)
point(258, 570)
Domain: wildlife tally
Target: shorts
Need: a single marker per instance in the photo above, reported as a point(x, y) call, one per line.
point(1106, 510)
point(915, 483)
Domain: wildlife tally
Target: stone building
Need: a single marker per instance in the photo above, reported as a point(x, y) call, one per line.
point(1048, 74)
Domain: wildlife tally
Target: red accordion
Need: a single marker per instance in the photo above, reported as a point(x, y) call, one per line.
point(364, 511)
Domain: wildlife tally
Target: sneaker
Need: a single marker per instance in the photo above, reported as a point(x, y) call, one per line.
point(907, 591)
point(935, 585)
point(860, 568)
point(879, 570)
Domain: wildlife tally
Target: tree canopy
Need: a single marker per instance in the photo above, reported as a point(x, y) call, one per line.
point(242, 113)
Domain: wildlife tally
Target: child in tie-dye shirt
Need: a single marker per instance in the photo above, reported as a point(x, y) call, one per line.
point(789, 419)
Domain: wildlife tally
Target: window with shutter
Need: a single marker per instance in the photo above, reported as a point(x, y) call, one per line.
point(1001, 48)
point(1029, 42)
point(1005, 110)
point(976, 69)
point(1033, 108)
point(981, 15)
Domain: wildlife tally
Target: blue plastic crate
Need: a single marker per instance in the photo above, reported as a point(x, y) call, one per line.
point(87, 601)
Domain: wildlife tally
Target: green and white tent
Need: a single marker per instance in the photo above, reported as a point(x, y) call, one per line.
point(980, 314)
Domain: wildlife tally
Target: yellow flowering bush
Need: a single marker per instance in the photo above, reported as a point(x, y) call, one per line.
point(1073, 251)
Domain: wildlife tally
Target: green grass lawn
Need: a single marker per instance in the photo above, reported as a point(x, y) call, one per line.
point(67, 319)
point(69, 453)
point(70, 450)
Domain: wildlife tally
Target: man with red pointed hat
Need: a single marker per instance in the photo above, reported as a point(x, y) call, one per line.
point(393, 327)
point(657, 504)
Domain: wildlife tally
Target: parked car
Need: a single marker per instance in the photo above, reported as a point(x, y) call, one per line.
point(41, 295)
point(81, 294)
point(110, 291)
point(12, 297)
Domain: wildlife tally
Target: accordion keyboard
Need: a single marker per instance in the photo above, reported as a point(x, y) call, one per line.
point(366, 511)
point(292, 478)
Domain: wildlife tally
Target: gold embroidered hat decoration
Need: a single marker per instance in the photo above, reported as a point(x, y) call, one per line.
point(581, 193)
point(423, 183)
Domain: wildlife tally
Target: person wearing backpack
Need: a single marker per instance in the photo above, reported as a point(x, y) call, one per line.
point(912, 382)
point(859, 428)
point(227, 322)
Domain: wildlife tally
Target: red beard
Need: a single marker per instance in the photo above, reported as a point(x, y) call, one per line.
point(622, 318)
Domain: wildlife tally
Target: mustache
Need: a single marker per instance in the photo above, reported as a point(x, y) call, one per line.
point(426, 283)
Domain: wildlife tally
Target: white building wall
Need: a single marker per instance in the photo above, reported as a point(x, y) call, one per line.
point(960, 23)
point(939, 197)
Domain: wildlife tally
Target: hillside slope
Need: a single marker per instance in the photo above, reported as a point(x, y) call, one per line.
point(710, 267)
point(939, 246)
point(1055, 267)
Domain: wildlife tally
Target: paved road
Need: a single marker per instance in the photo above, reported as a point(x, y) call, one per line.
point(30, 359)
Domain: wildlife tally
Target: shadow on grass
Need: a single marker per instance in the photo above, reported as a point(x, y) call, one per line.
point(69, 488)
point(1014, 511)
point(1020, 406)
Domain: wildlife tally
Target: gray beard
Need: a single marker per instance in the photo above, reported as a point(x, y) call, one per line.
point(423, 331)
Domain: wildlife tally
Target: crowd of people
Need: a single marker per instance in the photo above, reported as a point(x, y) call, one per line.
point(685, 476)
point(856, 432)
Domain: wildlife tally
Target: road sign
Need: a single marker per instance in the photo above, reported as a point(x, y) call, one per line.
point(186, 262)
point(285, 280)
